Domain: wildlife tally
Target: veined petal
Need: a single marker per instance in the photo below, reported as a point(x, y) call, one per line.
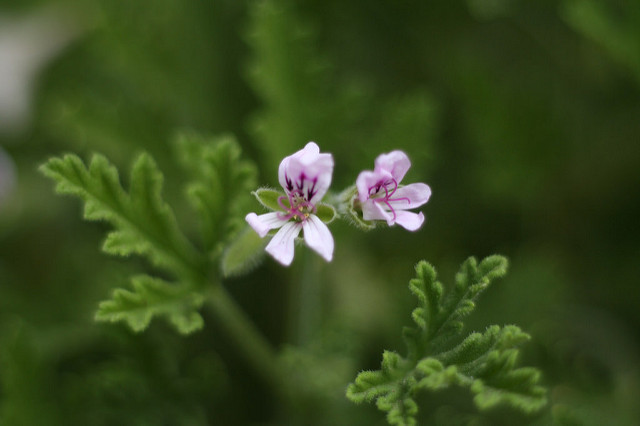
point(318, 237)
point(373, 210)
point(281, 245)
point(312, 179)
point(308, 171)
point(368, 179)
point(409, 220)
point(265, 222)
point(410, 196)
point(308, 152)
point(396, 162)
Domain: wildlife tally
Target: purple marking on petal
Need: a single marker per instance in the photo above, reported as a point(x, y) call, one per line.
point(308, 171)
point(381, 196)
point(288, 181)
point(312, 191)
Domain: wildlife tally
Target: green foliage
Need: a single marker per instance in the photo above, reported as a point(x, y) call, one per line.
point(220, 182)
point(269, 198)
point(150, 297)
point(613, 27)
point(483, 362)
point(145, 225)
point(536, 129)
point(290, 76)
point(326, 212)
point(243, 254)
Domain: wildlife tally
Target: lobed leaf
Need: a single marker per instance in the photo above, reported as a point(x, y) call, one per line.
point(470, 281)
point(483, 362)
point(151, 297)
point(220, 184)
point(144, 224)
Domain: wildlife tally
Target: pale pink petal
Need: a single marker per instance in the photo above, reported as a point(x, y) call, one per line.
point(410, 196)
point(308, 171)
point(308, 154)
point(409, 220)
point(265, 222)
point(284, 164)
point(312, 178)
point(368, 179)
point(281, 245)
point(396, 162)
point(373, 210)
point(318, 237)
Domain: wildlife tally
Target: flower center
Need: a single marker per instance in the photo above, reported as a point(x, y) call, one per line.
point(389, 187)
point(298, 208)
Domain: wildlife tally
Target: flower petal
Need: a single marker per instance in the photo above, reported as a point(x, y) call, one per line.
point(308, 171)
point(312, 179)
point(368, 179)
point(265, 222)
point(308, 152)
point(373, 210)
point(410, 196)
point(409, 220)
point(318, 237)
point(396, 162)
point(281, 245)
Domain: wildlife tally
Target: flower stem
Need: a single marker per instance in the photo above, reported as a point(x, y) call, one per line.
point(309, 300)
point(249, 341)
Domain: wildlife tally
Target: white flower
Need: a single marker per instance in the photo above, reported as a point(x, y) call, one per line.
point(305, 177)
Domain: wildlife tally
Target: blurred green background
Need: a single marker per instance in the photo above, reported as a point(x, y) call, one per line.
point(523, 117)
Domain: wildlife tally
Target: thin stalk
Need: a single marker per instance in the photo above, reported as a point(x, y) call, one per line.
point(250, 342)
point(309, 299)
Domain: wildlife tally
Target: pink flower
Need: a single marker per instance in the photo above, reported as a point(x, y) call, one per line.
point(382, 198)
point(305, 177)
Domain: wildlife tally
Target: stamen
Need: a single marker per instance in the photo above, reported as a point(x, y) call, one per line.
point(401, 199)
point(299, 209)
point(386, 199)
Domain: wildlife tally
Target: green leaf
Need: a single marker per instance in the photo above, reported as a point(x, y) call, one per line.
point(326, 212)
point(350, 208)
point(483, 362)
point(143, 223)
point(220, 185)
point(288, 75)
point(151, 297)
point(269, 198)
point(243, 254)
point(470, 281)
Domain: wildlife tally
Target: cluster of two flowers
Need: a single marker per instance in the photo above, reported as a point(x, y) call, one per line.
point(306, 176)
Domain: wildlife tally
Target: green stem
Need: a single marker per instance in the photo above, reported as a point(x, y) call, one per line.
point(250, 342)
point(309, 299)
